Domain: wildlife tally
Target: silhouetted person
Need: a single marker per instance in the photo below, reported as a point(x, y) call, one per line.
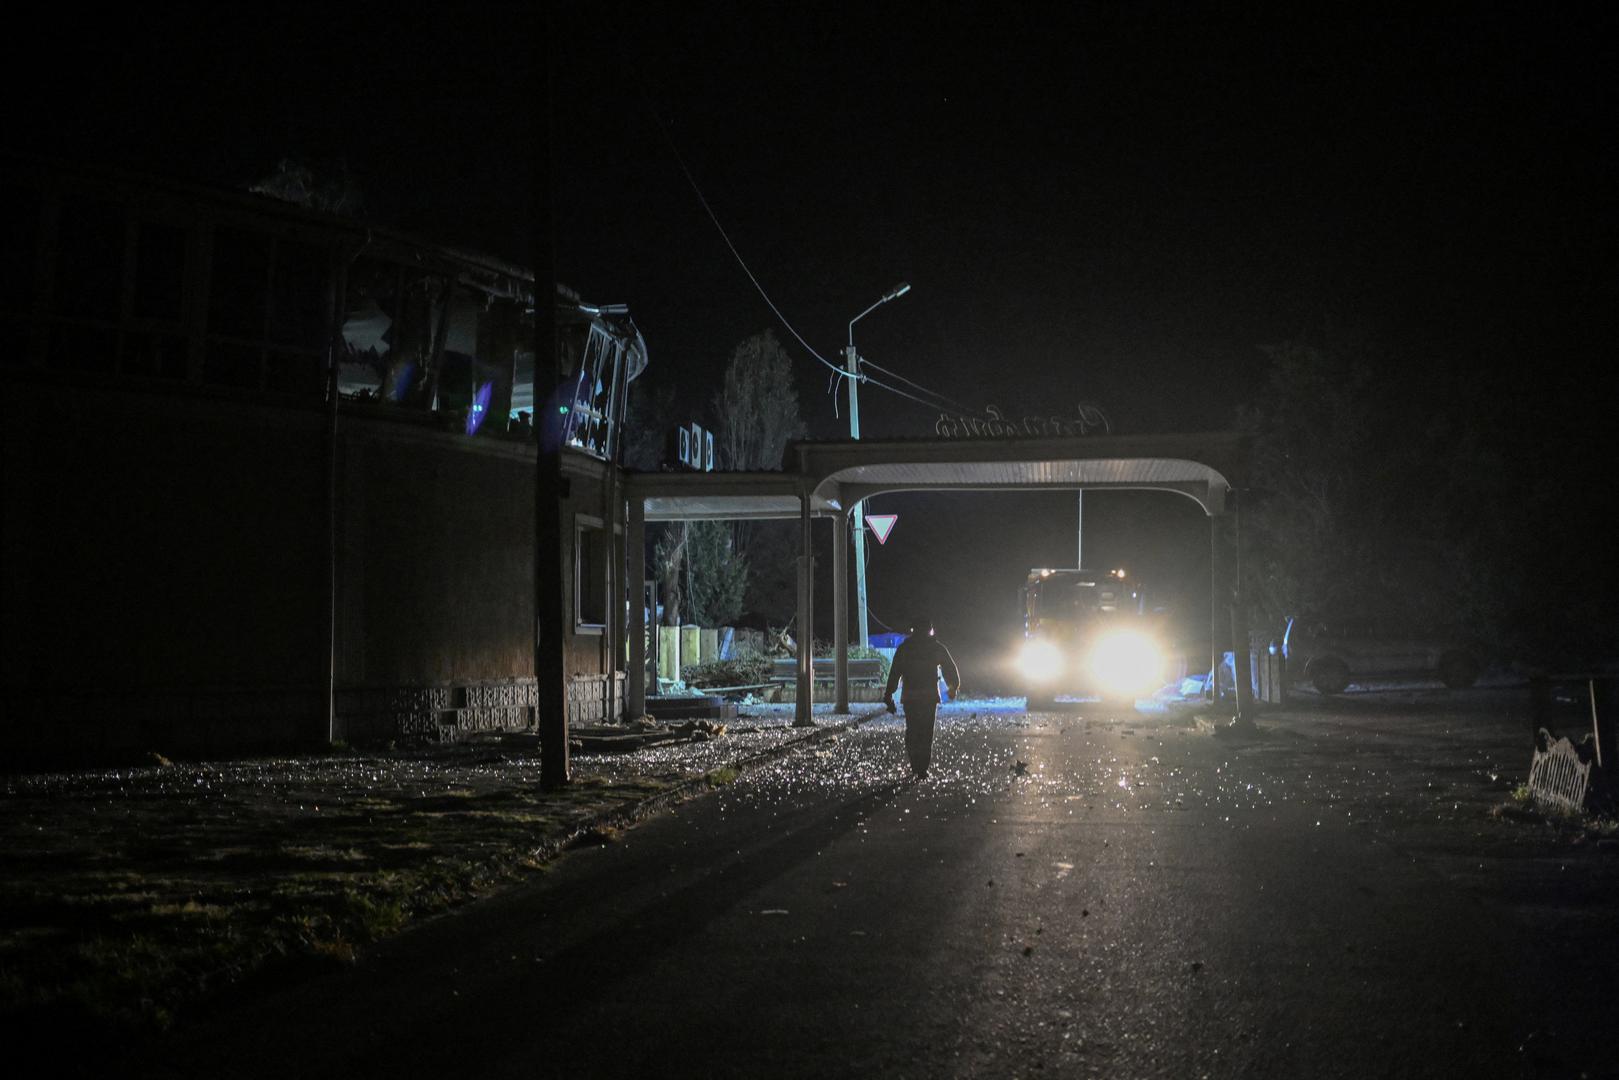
point(918, 662)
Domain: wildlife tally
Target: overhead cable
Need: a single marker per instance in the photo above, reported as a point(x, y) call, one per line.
point(956, 405)
point(738, 255)
point(905, 394)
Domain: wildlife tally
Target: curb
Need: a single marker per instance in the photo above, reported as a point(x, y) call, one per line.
point(625, 816)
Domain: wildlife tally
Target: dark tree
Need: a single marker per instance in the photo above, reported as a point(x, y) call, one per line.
point(756, 415)
point(1371, 495)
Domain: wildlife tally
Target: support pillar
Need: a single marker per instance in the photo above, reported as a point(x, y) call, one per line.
point(804, 707)
point(1227, 617)
point(635, 558)
point(840, 610)
point(1219, 620)
point(1241, 663)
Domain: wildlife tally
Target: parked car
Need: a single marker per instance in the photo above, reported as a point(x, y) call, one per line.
point(1329, 654)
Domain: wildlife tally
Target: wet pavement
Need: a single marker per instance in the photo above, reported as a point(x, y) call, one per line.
point(1069, 893)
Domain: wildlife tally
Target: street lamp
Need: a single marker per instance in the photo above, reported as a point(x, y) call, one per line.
point(852, 360)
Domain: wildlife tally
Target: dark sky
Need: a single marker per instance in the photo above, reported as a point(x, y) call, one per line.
point(1117, 207)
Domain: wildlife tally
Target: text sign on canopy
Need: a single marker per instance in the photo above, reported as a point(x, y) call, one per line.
point(881, 525)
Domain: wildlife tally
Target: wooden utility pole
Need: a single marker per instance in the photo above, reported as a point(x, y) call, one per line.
point(551, 705)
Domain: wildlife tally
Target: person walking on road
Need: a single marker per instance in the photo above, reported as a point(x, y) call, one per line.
point(918, 663)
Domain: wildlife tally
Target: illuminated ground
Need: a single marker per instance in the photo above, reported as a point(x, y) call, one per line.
point(1069, 894)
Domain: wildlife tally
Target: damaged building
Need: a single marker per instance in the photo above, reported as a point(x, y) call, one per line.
point(269, 474)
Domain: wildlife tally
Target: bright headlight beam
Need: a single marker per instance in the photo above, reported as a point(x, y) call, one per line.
point(1040, 661)
point(1126, 662)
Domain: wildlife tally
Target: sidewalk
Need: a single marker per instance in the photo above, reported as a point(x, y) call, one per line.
point(131, 896)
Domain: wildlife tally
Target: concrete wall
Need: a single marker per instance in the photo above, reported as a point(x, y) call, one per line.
point(435, 571)
point(166, 576)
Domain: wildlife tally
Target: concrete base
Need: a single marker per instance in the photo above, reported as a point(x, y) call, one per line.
point(690, 708)
point(823, 693)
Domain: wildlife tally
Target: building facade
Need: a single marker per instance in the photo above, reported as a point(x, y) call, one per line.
point(268, 477)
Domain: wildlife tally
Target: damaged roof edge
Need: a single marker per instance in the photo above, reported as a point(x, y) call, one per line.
point(489, 274)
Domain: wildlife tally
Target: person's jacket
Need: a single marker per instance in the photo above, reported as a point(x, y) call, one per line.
point(919, 661)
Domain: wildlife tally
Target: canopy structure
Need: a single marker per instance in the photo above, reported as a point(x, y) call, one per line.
point(827, 479)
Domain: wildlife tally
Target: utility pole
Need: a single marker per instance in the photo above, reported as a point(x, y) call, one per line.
point(864, 639)
point(1079, 531)
point(852, 364)
point(551, 700)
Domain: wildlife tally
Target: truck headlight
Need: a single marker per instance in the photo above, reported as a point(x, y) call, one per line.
point(1040, 661)
point(1126, 662)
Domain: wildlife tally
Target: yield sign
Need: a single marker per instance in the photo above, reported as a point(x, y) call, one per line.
point(882, 525)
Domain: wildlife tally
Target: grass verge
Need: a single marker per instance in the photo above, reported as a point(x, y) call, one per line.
point(131, 899)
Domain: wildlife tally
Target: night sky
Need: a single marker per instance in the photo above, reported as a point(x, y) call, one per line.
point(1116, 207)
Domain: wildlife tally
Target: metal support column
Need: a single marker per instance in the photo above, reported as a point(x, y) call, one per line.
point(852, 359)
point(840, 610)
point(1219, 621)
point(803, 711)
point(635, 559)
point(1241, 663)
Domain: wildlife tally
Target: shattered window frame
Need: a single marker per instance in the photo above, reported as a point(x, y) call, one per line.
point(592, 424)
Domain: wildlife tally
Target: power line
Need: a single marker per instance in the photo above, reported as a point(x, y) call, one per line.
point(911, 382)
point(943, 403)
point(905, 394)
point(663, 129)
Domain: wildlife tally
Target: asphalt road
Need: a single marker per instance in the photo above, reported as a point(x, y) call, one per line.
point(1138, 899)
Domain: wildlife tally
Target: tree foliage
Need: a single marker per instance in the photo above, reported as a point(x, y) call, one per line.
point(756, 414)
point(703, 578)
point(649, 416)
point(756, 410)
point(1375, 495)
point(669, 568)
point(719, 574)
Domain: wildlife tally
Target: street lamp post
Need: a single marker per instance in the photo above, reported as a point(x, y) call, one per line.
point(852, 361)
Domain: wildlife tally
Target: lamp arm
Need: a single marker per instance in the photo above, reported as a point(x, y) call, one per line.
point(862, 315)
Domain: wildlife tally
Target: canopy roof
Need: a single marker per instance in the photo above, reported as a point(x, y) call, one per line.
point(837, 474)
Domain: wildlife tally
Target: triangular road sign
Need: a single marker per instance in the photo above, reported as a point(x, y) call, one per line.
point(881, 525)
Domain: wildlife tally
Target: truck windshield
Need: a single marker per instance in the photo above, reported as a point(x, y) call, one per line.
point(1074, 596)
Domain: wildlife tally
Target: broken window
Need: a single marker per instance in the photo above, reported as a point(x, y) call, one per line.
point(475, 383)
point(390, 318)
point(594, 389)
point(371, 299)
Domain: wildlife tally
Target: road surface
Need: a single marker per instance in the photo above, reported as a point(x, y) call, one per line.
point(1069, 894)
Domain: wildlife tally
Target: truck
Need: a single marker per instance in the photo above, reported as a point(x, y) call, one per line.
point(1089, 633)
